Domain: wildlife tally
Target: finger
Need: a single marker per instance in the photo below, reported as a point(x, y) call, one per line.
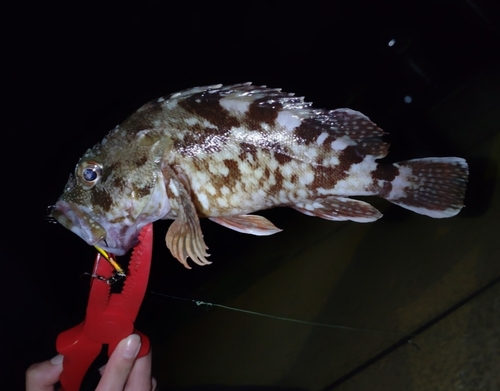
point(44, 375)
point(120, 364)
point(140, 377)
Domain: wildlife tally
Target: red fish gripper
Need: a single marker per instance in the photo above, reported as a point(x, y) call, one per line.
point(110, 316)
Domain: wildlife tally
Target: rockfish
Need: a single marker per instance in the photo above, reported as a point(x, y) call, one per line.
point(223, 152)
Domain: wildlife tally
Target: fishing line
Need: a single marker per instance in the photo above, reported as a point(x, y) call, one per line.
point(327, 325)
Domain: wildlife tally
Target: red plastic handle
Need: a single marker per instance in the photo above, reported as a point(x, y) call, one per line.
point(110, 316)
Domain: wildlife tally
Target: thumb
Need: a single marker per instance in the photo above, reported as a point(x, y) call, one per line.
point(44, 375)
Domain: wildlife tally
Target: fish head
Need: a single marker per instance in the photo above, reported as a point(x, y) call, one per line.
point(117, 188)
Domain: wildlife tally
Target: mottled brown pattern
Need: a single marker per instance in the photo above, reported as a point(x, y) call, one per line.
point(201, 165)
point(118, 182)
point(349, 156)
point(182, 146)
point(141, 161)
point(101, 198)
point(326, 147)
point(282, 158)
point(247, 148)
point(266, 174)
point(326, 177)
point(384, 190)
point(259, 112)
point(275, 189)
point(204, 140)
point(234, 175)
point(385, 173)
point(210, 109)
point(143, 191)
point(107, 170)
point(307, 131)
point(338, 123)
point(231, 164)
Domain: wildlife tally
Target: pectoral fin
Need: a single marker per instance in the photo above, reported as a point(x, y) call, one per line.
point(184, 237)
point(248, 224)
point(339, 209)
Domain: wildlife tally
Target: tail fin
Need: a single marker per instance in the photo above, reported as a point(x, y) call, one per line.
point(433, 187)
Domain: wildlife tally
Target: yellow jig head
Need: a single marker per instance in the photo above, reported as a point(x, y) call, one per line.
point(119, 272)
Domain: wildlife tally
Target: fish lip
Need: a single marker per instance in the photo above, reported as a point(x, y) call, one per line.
point(80, 222)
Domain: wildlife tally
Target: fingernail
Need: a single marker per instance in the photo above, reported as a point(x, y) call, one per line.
point(132, 346)
point(56, 360)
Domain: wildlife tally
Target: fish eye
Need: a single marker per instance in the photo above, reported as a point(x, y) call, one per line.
point(89, 173)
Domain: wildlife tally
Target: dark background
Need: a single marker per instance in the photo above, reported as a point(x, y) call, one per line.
point(72, 71)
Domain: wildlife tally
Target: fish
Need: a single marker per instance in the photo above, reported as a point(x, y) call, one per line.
point(226, 152)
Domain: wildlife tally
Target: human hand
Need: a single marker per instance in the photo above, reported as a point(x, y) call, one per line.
point(123, 372)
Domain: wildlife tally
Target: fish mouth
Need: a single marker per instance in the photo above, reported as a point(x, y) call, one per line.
point(113, 238)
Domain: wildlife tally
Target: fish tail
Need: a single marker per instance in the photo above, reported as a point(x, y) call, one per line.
point(433, 187)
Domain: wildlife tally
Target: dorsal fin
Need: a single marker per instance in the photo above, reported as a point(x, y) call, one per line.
point(271, 119)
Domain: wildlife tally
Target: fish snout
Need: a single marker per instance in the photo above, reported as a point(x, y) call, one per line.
point(78, 222)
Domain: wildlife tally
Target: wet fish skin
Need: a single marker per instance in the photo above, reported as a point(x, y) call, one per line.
point(223, 152)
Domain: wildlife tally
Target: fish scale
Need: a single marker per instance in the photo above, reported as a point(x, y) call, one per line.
point(224, 152)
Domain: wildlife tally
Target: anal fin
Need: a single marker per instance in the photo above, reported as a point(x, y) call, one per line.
point(247, 224)
point(339, 209)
